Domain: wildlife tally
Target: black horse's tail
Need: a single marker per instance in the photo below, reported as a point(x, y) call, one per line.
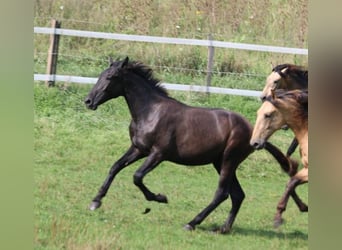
point(287, 164)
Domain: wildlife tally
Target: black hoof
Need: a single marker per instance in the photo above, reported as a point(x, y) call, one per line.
point(225, 230)
point(161, 198)
point(304, 208)
point(188, 227)
point(94, 205)
point(147, 210)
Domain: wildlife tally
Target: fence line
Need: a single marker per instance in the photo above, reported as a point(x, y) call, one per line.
point(170, 40)
point(162, 67)
point(169, 86)
point(165, 40)
point(194, 33)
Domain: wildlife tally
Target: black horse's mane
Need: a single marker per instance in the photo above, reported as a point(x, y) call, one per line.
point(297, 72)
point(146, 72)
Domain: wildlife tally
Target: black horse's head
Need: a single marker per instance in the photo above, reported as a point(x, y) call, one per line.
point(108, 85)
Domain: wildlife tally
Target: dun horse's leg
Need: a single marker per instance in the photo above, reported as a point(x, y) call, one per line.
point(289, 166)
point(281, 207)
point(300, 178)
point(132, 155)
point(237, 195)
point(151, 162)
point(300, 204)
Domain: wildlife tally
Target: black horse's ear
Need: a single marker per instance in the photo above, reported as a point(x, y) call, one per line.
point(110, 60)
point(125, 62)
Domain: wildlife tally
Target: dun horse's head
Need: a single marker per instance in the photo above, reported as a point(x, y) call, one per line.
point(276, 80)
point(285, 76)
point(279, 108)
point(269, 119)
point(108, 85)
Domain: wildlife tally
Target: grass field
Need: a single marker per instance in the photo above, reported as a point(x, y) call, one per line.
point(74, 149)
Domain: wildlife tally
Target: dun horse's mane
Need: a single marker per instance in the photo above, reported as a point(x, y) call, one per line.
point(300, 102)
point(299, 73)
point(147, 73)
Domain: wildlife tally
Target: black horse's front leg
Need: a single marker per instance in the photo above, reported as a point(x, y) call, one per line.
point(151, 162)
point(132, 155)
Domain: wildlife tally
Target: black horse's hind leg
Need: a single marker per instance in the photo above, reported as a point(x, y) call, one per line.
point(287, 164)
point(292, 147)
point(151, 162)
point(221, 194)
point(237, 195)
point(132, 155)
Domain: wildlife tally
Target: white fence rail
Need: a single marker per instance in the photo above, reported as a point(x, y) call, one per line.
point(164, 40)
point(169, 40)
point(170, 86)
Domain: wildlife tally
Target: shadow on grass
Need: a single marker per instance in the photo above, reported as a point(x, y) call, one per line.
point(265, 233)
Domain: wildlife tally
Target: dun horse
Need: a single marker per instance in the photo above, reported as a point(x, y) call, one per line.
point(287, 77)
point(282, 108)
point(164, 129)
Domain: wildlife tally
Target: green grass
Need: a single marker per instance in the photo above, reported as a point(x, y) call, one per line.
point(74, 149)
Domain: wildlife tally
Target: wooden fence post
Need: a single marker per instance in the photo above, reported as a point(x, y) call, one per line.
point(51, 67)
point(211, 52)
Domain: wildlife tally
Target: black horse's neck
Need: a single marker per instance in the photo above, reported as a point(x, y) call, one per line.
point(141, 96)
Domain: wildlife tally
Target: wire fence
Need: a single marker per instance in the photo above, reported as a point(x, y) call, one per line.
point(40, 57)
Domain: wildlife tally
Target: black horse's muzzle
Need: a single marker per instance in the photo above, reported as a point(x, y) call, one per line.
point(90, 104)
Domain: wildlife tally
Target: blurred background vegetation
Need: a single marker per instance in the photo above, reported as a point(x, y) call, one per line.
point(264, 22)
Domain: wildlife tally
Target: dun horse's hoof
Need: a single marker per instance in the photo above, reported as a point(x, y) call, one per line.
point(94, 205)
point(188, 227)
point(278, 222)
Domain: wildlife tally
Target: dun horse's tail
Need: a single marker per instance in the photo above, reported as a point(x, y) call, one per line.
point(286, 163)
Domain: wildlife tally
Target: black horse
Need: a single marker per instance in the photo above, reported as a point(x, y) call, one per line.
point(164, 129)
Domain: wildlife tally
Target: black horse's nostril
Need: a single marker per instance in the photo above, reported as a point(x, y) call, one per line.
point(90, 104)
point(87, 101)
point(263, 98)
